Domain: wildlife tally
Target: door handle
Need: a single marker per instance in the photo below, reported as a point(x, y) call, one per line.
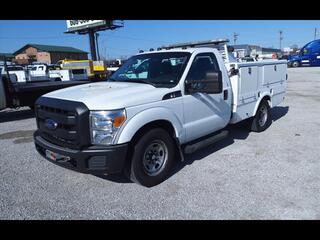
point(225, 94)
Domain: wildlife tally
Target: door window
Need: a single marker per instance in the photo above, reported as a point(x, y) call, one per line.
point(203, 64)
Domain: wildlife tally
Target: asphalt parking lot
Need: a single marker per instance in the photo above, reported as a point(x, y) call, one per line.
point(270, 175)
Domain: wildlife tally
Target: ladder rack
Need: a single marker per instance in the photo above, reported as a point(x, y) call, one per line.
point(219, 44)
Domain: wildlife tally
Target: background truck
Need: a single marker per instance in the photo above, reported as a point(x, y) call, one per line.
point(16, 72)
point(44, 72)
point(113, 65)
point(96, 70)
point(157, 107)
point(309, 55)
point(17, 91)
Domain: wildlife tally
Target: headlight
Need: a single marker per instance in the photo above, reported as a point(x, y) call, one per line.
point(104, 125)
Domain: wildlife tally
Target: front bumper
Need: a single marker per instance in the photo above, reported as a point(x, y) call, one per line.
point(92, 160)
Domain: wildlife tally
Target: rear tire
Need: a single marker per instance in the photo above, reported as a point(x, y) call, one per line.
point(262, 120)
point(153, 158)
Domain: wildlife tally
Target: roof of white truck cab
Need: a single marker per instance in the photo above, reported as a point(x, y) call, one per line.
point(190, 50)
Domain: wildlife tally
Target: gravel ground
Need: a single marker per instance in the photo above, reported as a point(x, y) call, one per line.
point(268, 175)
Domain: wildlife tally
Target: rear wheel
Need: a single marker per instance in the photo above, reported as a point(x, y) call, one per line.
point(262, 120)
point(153, 158)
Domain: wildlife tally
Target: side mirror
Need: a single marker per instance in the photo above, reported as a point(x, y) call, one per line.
point(211, 84)
point(233, 72)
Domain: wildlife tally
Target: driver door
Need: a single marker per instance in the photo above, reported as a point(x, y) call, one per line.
point(204, 113)
point(315, 56)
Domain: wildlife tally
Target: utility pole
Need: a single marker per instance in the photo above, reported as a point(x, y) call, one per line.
point(97, 44)
point(235, 38)
point(92, 45)
point(281, 38)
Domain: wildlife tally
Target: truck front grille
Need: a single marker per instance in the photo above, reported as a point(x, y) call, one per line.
point(72, 120)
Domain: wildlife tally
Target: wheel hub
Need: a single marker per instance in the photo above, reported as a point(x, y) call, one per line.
point(263, 116)
point(155, 157)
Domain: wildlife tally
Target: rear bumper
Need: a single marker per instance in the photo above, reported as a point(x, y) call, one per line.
point(93, 160)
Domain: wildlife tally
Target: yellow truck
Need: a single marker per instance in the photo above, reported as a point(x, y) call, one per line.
point(96, 70)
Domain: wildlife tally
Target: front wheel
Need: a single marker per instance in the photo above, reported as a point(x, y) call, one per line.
point(295, 64)
point(152, 158)
point(262, 120)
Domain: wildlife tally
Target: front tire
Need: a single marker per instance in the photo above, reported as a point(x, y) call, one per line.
point(295, 64)
point(153, 158)
point(262, 120)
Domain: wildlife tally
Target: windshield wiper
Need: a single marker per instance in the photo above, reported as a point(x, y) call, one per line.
point(111, 79)
point(141, 81)
point(131, 80)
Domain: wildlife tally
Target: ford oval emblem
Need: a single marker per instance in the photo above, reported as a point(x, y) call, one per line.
point(50, 124)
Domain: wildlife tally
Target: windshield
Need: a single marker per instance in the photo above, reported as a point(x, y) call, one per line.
point(313, 46)
point(157, 69)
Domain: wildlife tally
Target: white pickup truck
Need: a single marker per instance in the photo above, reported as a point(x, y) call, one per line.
point(43, 72)
point(157, 107)
point(17, 73)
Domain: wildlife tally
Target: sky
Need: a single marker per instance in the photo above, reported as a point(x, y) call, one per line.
point(145, 34)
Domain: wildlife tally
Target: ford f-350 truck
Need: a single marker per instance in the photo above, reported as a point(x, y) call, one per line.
point(155, 108)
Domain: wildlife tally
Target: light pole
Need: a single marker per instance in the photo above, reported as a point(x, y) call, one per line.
point(281, 38)
point(235, 38)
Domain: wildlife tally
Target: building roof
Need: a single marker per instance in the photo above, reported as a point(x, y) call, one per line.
point(270, 50)
point(6, 55)
point(248, 46)
point(50, 48)
point(245, 46)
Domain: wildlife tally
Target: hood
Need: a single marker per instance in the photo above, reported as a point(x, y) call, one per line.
point(110, 95)
point(294, 57)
